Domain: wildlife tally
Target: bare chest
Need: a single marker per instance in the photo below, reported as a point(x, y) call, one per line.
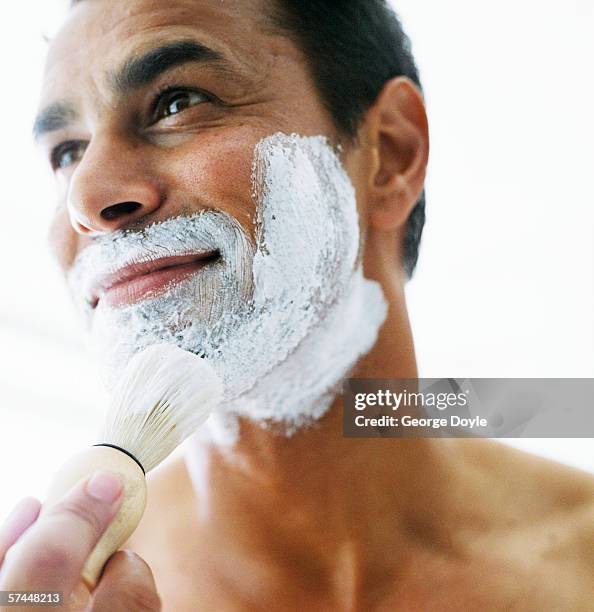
point(419, 586)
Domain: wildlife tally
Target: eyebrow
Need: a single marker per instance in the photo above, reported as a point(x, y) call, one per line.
point(139, 71)
point(135, 73)
point(56, 116)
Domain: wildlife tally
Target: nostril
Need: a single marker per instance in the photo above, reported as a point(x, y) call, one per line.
point(123, 209)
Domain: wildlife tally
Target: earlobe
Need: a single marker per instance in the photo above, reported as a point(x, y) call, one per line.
point(399, 138)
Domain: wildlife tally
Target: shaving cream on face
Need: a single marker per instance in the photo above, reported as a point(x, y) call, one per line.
point(282, 321)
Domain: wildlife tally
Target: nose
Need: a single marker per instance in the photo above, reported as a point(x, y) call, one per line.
point(111, 187)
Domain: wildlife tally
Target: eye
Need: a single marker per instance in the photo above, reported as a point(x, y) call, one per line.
point(67, 153)
point(175, 101)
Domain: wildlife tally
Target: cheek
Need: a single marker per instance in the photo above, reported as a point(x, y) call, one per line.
point(62, 238)
point(358, 172)
point(216, 171)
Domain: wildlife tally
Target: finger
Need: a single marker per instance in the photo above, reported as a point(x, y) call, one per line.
point(52, 554)
point(22, 516)
point(127, 585)
point(78, 601)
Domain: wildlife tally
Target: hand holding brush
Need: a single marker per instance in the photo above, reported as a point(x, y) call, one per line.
point(163, 396)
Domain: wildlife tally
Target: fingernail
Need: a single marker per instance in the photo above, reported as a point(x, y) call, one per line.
point(104, 486)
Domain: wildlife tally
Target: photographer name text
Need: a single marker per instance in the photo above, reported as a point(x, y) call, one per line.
point(432, 423)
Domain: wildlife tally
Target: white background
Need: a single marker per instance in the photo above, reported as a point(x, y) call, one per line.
point(505, 283)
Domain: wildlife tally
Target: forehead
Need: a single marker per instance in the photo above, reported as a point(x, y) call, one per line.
point(99, 34)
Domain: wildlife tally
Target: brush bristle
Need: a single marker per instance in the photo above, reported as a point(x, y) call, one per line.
point(163, 396)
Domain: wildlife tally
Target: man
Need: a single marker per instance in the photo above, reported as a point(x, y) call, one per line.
point(156, 120)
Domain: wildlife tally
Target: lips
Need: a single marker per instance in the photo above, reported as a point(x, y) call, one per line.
point(138, 281)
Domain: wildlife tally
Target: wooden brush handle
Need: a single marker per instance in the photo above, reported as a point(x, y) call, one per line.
point(130, 512)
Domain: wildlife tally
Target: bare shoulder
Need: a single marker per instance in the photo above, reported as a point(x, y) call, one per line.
point(530, 476)
point(541, 511)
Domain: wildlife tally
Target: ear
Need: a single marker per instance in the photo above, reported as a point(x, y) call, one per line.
point(397, 142)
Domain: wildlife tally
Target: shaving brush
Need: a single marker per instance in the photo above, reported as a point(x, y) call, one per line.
point(162, 397)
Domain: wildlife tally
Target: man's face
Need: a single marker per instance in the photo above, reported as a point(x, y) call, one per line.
point(136, 138)
point(193, 156)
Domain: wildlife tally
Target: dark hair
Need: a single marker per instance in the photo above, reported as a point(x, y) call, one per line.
point(353, 48)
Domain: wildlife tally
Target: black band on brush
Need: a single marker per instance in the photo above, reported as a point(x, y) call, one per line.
point(125, 453)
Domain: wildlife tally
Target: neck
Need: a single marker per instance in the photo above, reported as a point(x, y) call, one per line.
point(314, 505)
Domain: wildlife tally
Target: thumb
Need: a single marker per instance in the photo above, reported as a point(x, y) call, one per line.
point(126, 585)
